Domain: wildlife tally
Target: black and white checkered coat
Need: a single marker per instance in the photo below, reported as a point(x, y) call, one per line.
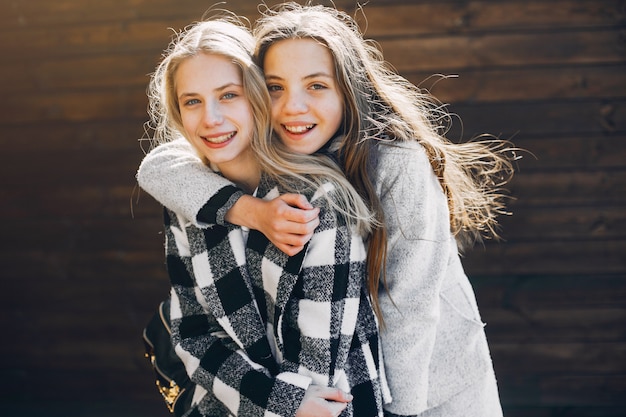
point(321, 324)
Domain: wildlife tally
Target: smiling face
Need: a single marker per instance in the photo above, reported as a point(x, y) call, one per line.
point(215, 112)
point(307, 105)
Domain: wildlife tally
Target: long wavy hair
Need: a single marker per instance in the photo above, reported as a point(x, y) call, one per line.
point(227, 35)
point(381, 105)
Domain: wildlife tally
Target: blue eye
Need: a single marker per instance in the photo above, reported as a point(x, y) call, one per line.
point(318, 86)
point(228, 96)
point(273, 87)
point(191, 102)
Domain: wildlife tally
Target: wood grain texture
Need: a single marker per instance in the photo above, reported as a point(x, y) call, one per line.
point(82, 248)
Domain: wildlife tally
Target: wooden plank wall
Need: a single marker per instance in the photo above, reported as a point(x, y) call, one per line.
point(81, 249)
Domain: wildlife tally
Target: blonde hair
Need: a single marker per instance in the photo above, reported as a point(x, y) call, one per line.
point(228, 36)
point(382, 105)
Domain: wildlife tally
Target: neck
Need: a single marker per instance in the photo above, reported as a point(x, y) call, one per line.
point(244, 171)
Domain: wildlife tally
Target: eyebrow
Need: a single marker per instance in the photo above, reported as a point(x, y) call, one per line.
point(221, 88)
point(306, 77)
point(185, 95)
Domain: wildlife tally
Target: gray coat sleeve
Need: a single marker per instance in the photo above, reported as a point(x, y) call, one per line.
point(173, 174)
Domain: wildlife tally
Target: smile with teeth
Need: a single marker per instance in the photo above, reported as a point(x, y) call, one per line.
point(298, 129)
point(219, 139)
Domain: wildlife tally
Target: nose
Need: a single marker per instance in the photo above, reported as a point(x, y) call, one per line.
point(212, 115)
point(295, 102)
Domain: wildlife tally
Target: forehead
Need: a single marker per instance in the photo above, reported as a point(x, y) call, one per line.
point(208, 69)
point(300, 54)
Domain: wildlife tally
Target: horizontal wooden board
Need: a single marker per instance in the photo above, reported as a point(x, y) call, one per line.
point(424, 18)
point(564, 391)
point(87, 390)
point(123, 136)
point(564, 223)
point(382, 18)
point(517, 292)
point(566, 410)
point(37, 13)
point(527, 326)
point(524, 84)
point(543, 257)
point(456, 53)
point(78, 202)
point(149, 405)
point(537, 118)
point(569, 188)
point(547, 358)
point(106, 71)
point(64, 265)
point(79, 106)
point(571, 152)
point(89, 235)
point(98, 169)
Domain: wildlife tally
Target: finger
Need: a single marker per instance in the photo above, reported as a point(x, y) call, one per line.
point(332, 394)
point(335, 408)
point(299, 229)
point(288, 249)
point(292, 239)
point(296, 200)
point(297, 215)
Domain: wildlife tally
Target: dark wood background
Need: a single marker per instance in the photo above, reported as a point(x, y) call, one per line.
point(81, 255)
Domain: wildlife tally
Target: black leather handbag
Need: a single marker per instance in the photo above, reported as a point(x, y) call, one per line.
point(172, 380)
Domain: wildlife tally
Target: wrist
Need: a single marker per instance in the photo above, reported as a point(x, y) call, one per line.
point(243, 213)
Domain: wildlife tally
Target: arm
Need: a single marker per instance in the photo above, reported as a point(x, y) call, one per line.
point(288, 221)
point(174, 175)
point(418, 231)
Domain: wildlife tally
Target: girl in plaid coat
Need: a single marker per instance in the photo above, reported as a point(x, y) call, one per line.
point(429, 196)
point(260, 332)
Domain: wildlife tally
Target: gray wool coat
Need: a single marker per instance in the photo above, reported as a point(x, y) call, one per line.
point(436, 355)
point(437, 360)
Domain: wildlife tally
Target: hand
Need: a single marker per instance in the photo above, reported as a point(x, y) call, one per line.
point(288, 221)
point(321, 401)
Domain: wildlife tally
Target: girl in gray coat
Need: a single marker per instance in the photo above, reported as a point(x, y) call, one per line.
point(428, 194)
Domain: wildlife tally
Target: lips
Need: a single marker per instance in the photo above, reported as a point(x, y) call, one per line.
point(219, 139)
point(299, 129)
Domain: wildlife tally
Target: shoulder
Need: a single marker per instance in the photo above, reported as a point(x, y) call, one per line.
point(409, 190)
point(176, 148)
point(402, 163)
point(396, 155)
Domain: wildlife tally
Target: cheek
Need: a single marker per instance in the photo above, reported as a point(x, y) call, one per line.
point(246, 116)
point(189, 123)
point(335, 112)
point(275, 108)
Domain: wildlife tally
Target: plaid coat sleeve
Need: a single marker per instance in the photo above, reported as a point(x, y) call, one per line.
point(216, 326)
point(323, 322)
